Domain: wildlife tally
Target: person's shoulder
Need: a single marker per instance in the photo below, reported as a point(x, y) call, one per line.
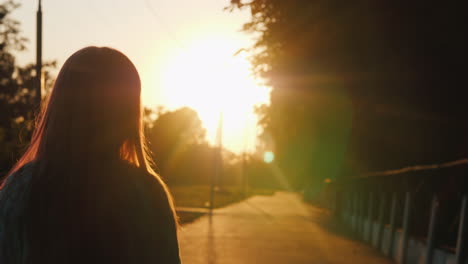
point(154, 178)
point(14, 193)
point(18, 179)
point(130, 178)
point(152, 182)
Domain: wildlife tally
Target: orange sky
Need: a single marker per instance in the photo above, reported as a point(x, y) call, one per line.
point(183, 50)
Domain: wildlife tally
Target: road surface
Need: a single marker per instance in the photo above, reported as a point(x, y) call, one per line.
point(272, 230)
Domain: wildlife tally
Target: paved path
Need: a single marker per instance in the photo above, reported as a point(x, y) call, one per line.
point(270, 230)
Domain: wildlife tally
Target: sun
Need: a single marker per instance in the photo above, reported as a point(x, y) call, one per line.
point(207, 77)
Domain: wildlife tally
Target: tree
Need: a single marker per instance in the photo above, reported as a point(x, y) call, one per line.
point(360, 85)
point(172, 134)
point(17, 95)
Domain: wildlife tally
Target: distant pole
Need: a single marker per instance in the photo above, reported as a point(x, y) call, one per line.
point(212, 183)
point(217, 160)
point(39, 54)
point(219, 138)
point(244, 175)
point(244, 167)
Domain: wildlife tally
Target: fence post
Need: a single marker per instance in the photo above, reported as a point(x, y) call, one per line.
point(381, 222)
point(370, 222)
point(341, 208)
point(431, 234)
point(462, 227)
point(355, 210)
point(345, 214)
point(362, 217)
point(349, 209)
point(392, 224)
point(406, 225)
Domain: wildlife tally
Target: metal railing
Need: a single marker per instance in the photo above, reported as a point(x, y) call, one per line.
point(413, 215)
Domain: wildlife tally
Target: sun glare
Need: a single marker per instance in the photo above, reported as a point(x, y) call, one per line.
point(207, 77)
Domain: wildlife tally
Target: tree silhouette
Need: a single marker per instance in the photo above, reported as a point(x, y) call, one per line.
point(17, 96)
point(172, 135)
point(360, 85)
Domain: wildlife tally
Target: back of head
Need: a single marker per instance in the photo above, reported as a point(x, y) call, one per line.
point(94, 109)
point(92, 114)
point(88, 132)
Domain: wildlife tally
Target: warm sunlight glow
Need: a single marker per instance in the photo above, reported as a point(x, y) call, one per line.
point(268, 157)
point(208, 78)
point(182, 49)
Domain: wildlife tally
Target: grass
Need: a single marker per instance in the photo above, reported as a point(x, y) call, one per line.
point(198, 196)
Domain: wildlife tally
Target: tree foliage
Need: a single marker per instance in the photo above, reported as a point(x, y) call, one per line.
point(184, 157)
point(174, 136)
point(17, 94)
point(359, 85)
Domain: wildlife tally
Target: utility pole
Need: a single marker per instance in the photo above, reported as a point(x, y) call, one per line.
point(244, 180)
point(219, 139)
point(38, 55)
point(217, 162)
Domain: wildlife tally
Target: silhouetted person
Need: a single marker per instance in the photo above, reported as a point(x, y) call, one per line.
point(84, 192)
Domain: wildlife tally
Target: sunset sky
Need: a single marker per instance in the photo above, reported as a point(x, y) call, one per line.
point(183, 50)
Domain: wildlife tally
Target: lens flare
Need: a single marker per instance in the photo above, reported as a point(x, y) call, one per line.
point(268, 157)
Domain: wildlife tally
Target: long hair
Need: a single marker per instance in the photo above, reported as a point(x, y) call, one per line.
point(90, 124)
point(93, 109)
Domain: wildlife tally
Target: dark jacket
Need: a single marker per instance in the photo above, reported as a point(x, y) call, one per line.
point(127, 221)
